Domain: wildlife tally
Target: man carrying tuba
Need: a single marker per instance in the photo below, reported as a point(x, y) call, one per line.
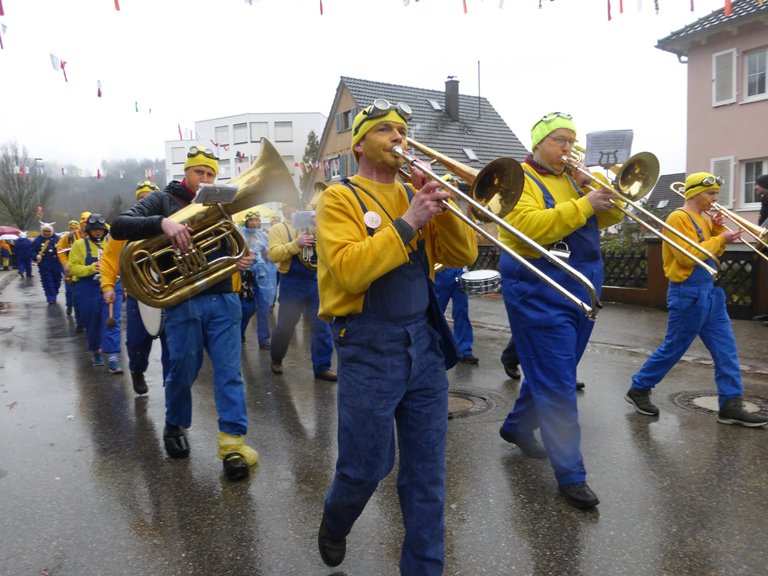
point(209, 320)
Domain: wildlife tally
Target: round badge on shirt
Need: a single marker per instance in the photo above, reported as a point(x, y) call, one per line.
point(372, 219)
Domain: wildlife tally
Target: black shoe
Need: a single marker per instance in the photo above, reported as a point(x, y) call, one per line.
point(242, 339)
point(80, 328)
point(332, 548)
point(276, 367)
point(733, 412)
point(235, 467)
point(470, 359)
point(760, 317)
point(69, 310)
point(327, 375)
point(513, 371)
point(530, 448)
point(139, 384)
point(264, 346)
point(579, 495)
point(641, 400)
point(580, 385)
point(175, 439)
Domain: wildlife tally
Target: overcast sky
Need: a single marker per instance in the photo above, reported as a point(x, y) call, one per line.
point(188, 60)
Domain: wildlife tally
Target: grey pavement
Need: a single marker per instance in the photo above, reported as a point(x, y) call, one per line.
point(86, 488)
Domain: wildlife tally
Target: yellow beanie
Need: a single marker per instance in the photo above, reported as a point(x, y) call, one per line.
point(549, 124)
point(73, 225)
point(146, 186)
point(202, 158)
point(362, 125)
point(694, 184)
point(84, 217)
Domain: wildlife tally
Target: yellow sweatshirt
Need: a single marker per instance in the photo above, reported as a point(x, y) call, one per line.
point(547, 226)
point(677, 265)
point(349, 260)
point(77, 266)
point(281, 249)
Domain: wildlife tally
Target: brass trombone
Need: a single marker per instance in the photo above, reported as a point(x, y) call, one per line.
point(499, 184)
point(758, 233)
point(635, 179)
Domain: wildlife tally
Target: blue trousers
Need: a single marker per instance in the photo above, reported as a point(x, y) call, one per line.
point(25, 266)
point(209, 322)
point(550, 335)
point(138, 342)
point(68, 298)
point(298, 295)
point(50, 278)
point(696, 310)
point(448, 287)
point(260, 306)
point(95, 312)
point(392, 375)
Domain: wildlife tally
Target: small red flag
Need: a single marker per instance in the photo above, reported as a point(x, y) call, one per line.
point(609, 10)
point(63, 63)
point(728, 7)
point(2, 12)
point(321, 7)
point(465, 6)
point(117, 5)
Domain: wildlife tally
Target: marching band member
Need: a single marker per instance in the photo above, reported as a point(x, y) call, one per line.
point(48, 265)
point(256, 296)
point(378, 241)
point(298, 294)
point(208, 321)
point(76, 231)
point(138, 342)
point(5, 254)
point(24, 255)
point(697, 307)
point(549, 332)
point(85, 267)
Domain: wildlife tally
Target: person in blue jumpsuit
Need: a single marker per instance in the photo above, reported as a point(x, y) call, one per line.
point(24, 255)
point(550, 332)
point(256, 296)
point(84, 266)
point(48, 265)
point(207, 321)
point(378, 242)
point(697, 307)
point(293, 252)
point(448, 289)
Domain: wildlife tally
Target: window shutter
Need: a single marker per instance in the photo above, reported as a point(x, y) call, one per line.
point(343, 165)
point(724, 78)
point(723, 167)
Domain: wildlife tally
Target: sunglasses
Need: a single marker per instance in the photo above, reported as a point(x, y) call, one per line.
point(708, 181)
point(380, 108)
point(207, 152)
point(551, 116)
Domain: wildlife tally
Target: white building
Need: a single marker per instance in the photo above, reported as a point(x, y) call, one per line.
point(235, 139)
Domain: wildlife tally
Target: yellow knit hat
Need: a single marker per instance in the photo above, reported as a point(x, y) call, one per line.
point(202, 157)
point(548, 124)
point(698, 182)
point(145, 186)
point(84, 217)
point(73, 225)
point(367, 119)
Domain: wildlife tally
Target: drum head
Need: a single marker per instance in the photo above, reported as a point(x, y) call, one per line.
point(152, 318)
point(481, 282)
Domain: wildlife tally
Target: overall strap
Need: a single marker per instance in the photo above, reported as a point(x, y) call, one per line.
point(698, 230)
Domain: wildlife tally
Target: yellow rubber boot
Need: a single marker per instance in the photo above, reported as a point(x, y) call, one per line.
point(229, 444)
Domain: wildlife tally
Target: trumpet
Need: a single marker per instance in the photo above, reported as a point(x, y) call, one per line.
point(634, 180)
point(500, 183)
point(758, 233)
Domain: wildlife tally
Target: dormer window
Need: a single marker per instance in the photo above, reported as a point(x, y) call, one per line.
point(435, 104)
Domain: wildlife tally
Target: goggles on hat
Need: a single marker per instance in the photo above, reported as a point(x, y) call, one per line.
point(381, 107)
point(99, 220)
point(708, 181)
point(252, 215)
point(147, 184)
point(207, 152)
point(551, 116)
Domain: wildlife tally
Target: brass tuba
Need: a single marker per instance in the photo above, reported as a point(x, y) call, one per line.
point(154, 272)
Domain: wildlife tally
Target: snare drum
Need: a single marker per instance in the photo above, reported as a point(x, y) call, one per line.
point(152, 318)
point(481, 282)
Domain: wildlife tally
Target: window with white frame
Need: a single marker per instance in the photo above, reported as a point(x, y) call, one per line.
point(751, 170)
point(723, 167)
point(225, 169)
point(755, 71)
point(222, 135)
point(259, 130)
point(724, 78)
point(178, 155)
point(283, 131)
point(240, 133)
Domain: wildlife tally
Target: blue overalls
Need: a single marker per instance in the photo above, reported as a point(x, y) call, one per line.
point(391, 368)
point(95, 312)
point(696, 308)
point(138, 342)
point(298, 293)
point(448, 287)
point(551, 334)
point(49, 267)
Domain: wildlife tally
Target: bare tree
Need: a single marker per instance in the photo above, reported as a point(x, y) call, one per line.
point(23, 185)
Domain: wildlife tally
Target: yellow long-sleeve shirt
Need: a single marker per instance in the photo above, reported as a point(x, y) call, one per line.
point(678, 266)
point(349, 259)
point(77, 266)
point(66, 241)
point(281, 248)
point(549, 225)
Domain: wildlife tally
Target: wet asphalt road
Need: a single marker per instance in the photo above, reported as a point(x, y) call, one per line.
point(86, 488)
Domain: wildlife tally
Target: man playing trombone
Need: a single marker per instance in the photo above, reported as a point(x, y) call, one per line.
point(696, 308)
point(550, 333)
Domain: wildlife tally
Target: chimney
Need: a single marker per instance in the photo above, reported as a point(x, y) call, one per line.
point(452, 98)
